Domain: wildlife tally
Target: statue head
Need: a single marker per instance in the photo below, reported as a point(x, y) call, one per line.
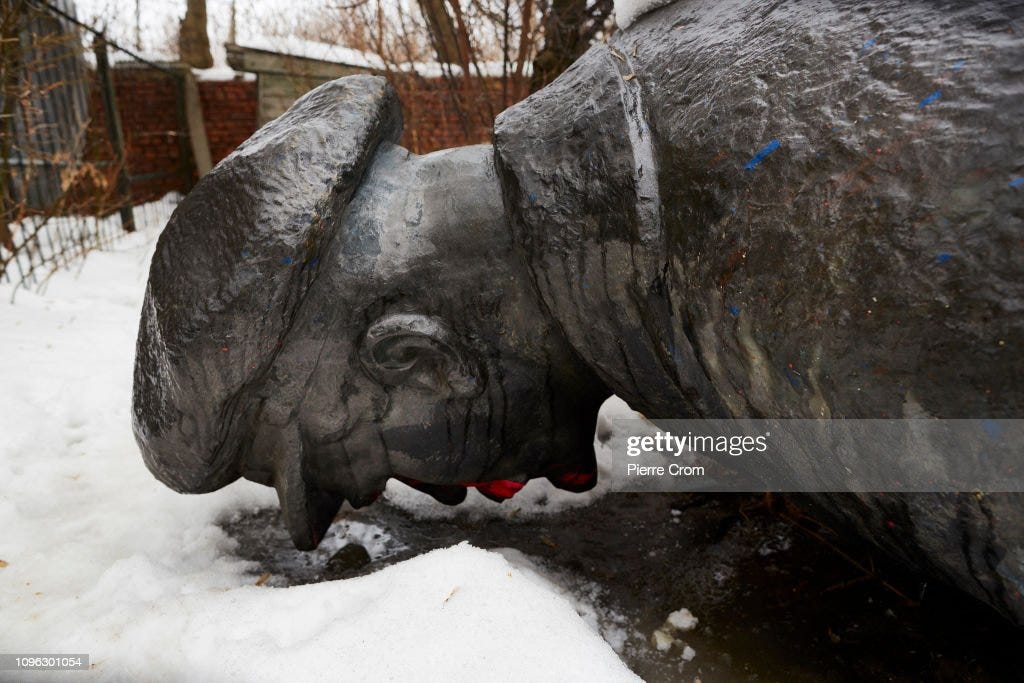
point(326, 311)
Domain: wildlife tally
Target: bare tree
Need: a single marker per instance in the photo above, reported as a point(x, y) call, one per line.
point(193, 41)
point(450, 47)
point(479, 56)
point(569, 29)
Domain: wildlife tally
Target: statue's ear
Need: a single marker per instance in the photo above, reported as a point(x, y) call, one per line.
point(419, 351)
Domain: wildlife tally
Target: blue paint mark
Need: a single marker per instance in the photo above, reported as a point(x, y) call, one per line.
point(992, 428)
point(878, 202)
point(734, 211)
point(934, 97)
point(676, 354)
point(286, 261)
point(959, 65)
point(793, 379)
point(246, 253)
point(532, 197)
point(943, 257)
point(586, 286)
point(735, 311)
point(759, 157)
point(1017, 182)
point(315, 260)
point(869, 43)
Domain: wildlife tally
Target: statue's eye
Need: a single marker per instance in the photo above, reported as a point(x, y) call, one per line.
point(420, 352)
point(402, 356)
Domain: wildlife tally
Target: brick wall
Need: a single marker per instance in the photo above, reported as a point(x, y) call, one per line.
point(229, 114)
point(230, 111)
point(146, 102)
point(147, 106)
point(431, 112)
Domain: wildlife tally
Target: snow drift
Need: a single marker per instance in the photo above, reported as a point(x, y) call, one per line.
point(100, 558)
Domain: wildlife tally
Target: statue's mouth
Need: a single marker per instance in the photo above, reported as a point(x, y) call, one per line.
point(310, 496)
point(499, 490)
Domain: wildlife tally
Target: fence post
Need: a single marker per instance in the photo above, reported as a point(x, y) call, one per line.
point(115, 132)
point(184, 142)
point(10, 51)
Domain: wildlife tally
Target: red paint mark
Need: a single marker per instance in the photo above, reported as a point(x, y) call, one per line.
point(224, 349)
point(576, 478)
point(719, 157)
point(499, 488)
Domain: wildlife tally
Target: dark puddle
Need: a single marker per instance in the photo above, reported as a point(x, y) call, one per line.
point(778, 597)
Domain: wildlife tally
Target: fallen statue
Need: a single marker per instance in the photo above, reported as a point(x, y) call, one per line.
point(732, 209)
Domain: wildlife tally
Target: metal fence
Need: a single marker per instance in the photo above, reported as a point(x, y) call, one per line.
point(65, 179)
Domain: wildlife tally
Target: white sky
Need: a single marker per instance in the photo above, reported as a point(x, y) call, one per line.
point(159, 20)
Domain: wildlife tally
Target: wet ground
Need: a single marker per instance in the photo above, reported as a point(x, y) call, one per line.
point(779, 596)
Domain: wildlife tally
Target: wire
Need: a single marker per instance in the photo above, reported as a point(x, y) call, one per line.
point(99, 34)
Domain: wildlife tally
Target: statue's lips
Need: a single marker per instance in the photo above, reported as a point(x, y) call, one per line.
point(498, 490)
point(501, 489)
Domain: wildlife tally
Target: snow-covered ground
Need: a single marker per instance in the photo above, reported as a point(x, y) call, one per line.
point(628, 11)
point(97, 557)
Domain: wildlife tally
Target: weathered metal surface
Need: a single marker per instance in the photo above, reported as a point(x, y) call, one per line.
point(805, 209)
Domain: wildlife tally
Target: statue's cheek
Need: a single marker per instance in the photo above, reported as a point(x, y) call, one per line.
point(441, 441)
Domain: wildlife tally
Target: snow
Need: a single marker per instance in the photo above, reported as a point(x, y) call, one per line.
point(339, 54)
point(682, 619)
point(661, 640)
point(97, 557)
point(627, 11)
point(310, 49)
point(586, 597)
point(222, 73)
point(664, 638)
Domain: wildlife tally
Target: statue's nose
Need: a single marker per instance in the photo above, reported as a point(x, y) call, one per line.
point(181, 452)
point(307, 509)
